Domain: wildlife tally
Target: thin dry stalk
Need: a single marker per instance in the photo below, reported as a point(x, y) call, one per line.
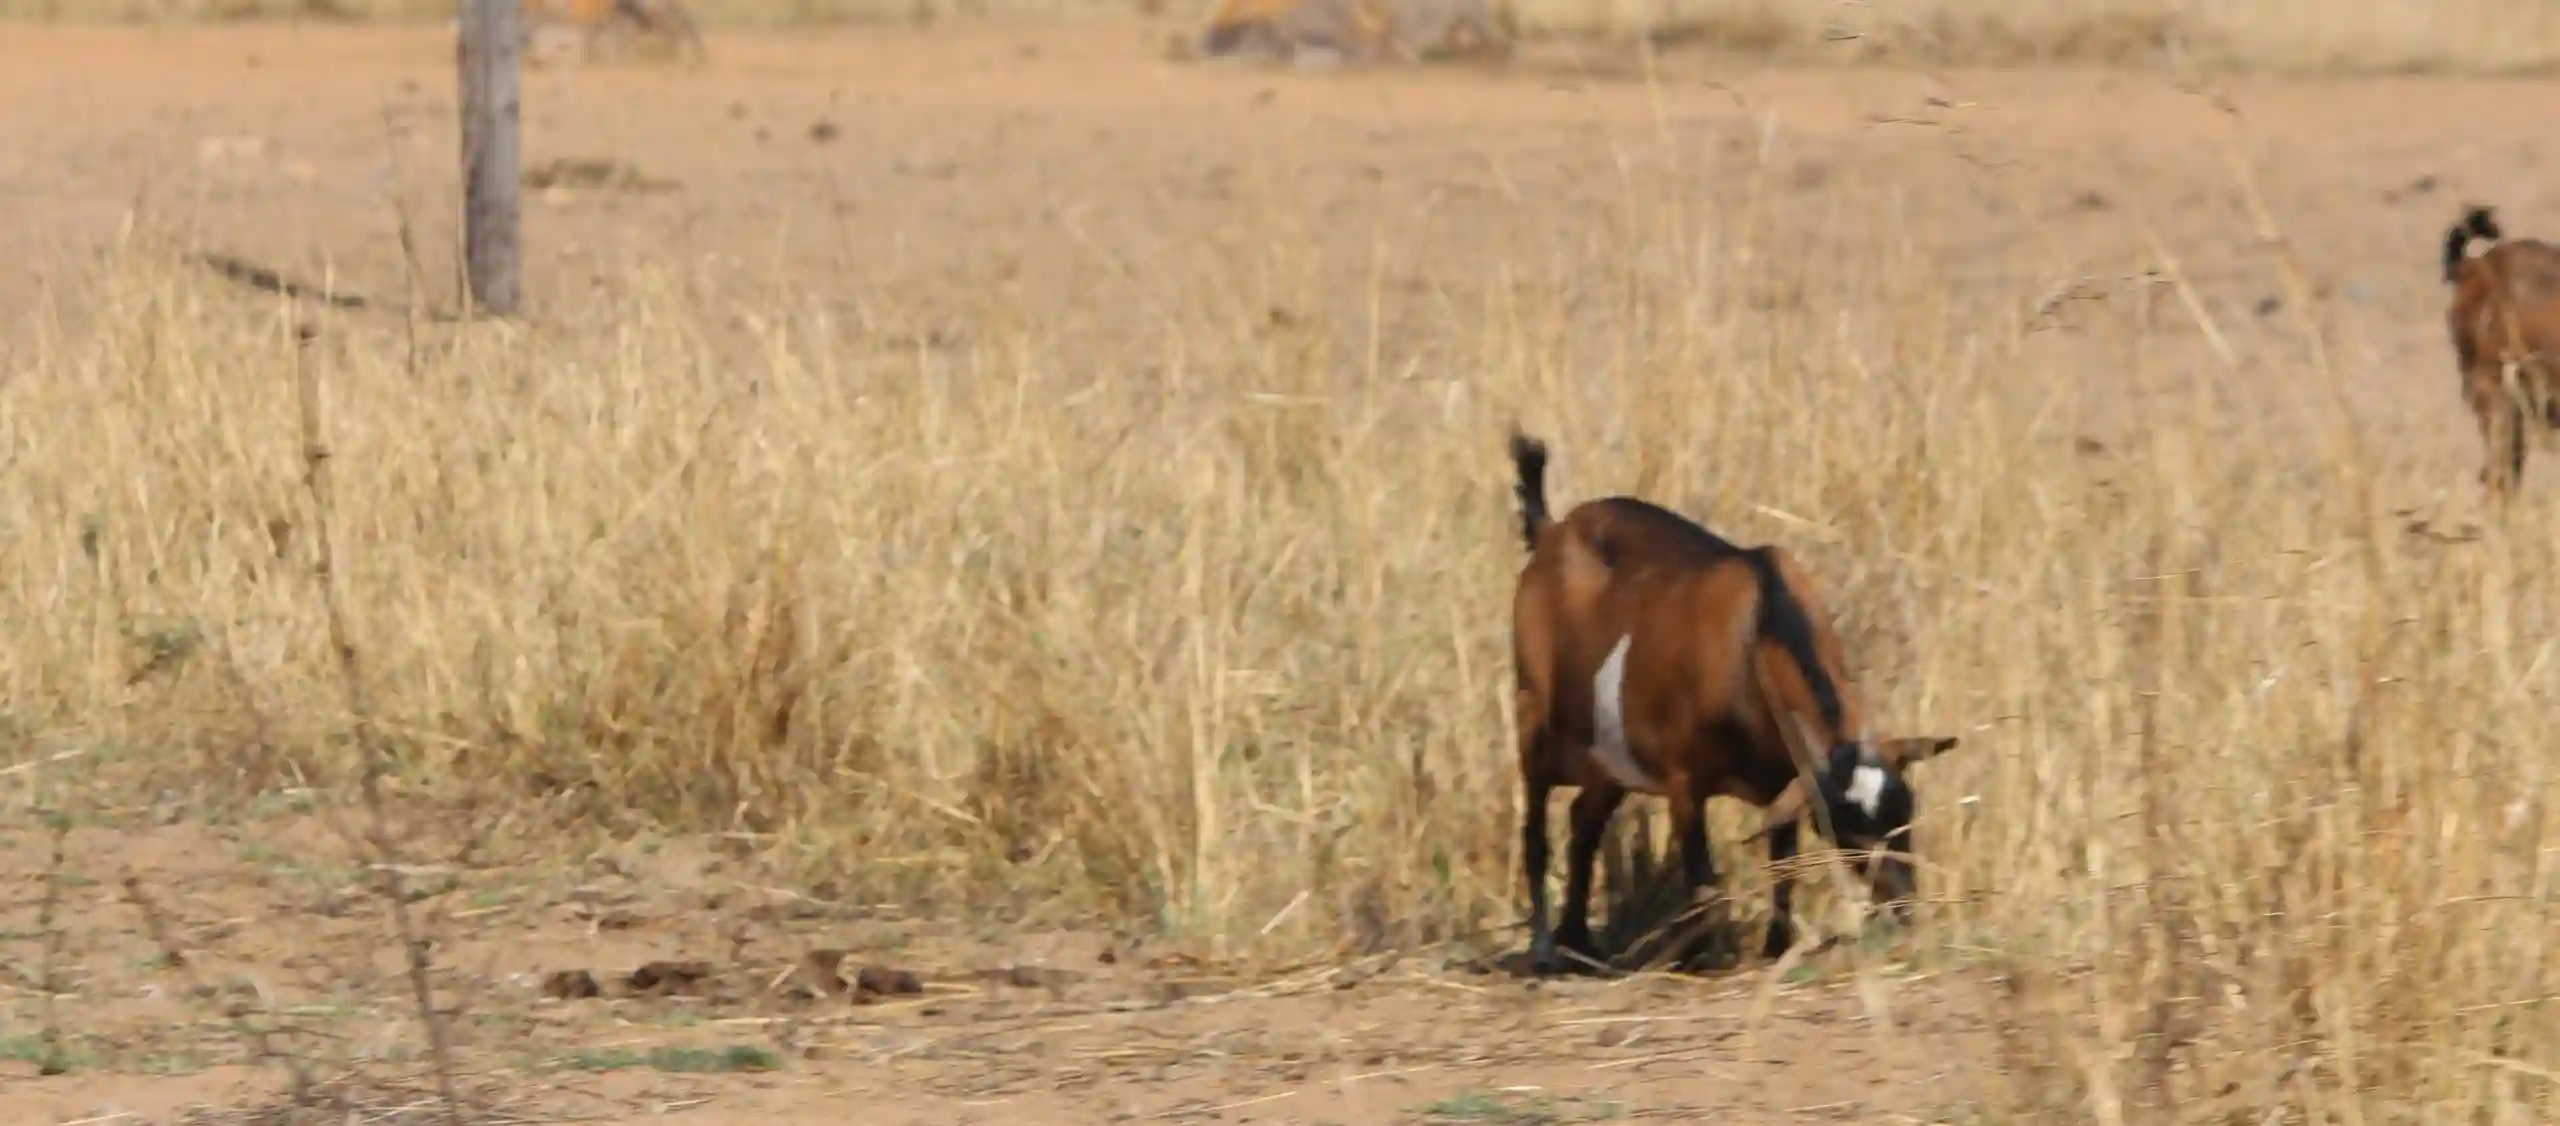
point(377, 755)
point(56, 1056)
point(2165, 935)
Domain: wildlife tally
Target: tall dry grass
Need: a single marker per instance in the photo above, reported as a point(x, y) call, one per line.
point(2293, 36)
point(1199, 623)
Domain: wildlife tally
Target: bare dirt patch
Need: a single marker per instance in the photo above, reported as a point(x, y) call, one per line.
point(692, 1002)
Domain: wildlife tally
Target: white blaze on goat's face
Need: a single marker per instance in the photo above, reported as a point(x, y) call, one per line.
point(1609, 723)
point(1866, 787)
point(1867, 782)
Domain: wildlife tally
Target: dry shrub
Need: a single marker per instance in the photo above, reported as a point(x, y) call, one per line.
point(2110, 35)
point(558, 31)
point(1354, 31)
point(2279, 35)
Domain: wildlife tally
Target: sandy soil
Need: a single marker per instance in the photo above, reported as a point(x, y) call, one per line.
point(1021, 166)
point(184, 946)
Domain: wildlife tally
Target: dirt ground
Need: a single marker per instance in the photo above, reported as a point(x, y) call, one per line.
point(176, 936)
point(1079, 179)
point(1067, 172)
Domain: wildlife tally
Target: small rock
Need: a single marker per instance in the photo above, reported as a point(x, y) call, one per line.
point(570, 985)
point(1040, 977)
point(669, 978)
point(873, 982)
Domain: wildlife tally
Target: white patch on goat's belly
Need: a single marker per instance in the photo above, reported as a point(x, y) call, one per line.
point(1609, 723)
point(1866, 787)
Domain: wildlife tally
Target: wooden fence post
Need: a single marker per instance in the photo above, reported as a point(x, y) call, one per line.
point(492, 50)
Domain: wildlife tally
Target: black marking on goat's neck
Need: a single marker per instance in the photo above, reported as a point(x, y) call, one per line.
point(1783, 620)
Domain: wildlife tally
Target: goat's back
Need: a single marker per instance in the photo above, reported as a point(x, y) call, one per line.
point(2511, 287)
point(1589, 575)
point(1618, 567)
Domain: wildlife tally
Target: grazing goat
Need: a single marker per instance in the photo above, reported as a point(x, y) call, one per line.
point(1653, 656)
point(2505, 317)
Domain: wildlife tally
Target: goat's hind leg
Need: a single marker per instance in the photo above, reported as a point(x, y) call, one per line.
point(2502, 422)
point(1592, 809)
point(1533, 868)
point(1538, 780)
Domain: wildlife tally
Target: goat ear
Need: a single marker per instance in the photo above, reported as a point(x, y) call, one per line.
point(1906, 751)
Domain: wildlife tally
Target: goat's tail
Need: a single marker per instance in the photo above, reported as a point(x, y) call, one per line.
point(2477, 223)
point(1529, 457)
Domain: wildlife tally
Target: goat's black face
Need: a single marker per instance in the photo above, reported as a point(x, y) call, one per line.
point(1871, 806)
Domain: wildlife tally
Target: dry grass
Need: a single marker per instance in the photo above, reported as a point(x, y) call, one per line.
point(1199, 621)
point(2293, 36)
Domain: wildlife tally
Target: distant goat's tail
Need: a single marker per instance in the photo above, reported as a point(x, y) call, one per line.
point(2477, 223)
point(1529, 457)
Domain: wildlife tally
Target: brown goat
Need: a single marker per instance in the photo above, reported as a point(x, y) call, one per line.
point(2505, 317)
point(1653, 656)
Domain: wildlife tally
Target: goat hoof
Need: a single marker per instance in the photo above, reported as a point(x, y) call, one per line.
point(1579, 945)
point(1777, 944)
point(1543, 960)
point(1558, 963)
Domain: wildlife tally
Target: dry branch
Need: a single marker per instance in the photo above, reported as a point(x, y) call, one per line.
point(359, 700)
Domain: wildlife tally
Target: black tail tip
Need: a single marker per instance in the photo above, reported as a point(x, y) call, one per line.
point(2481, 221)
point(1527, 452)
point(1529, 459)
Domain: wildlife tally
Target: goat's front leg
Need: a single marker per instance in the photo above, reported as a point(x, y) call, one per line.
point(1782, 889)
point(1689, 824)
